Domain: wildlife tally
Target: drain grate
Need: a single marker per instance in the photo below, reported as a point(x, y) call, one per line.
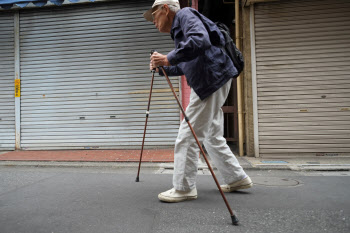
point(313, 162)
point(275, 181)
point(274, 162)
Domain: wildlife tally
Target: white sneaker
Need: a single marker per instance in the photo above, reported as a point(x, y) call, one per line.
point(246, 183)
point(173, 195)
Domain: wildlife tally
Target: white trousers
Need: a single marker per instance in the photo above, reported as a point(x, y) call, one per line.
point(206, 118)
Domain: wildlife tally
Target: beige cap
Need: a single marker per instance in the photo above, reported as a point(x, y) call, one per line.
point(148, 14)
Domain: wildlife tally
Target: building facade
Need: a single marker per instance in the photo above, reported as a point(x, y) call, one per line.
point(297, 77)
point(84, 78)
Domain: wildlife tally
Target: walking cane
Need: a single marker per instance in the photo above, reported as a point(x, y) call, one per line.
point(233, 216)
point(147, 114)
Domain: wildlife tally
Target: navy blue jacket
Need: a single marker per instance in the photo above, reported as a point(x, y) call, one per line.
point(197, 53)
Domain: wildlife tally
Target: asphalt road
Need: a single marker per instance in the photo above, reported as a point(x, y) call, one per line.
point(102, 200)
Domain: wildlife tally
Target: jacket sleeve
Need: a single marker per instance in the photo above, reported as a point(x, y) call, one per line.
point(171, 71)
point(196, 40)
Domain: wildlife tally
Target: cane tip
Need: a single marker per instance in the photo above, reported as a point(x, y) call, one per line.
point(137, 179)
point(234, 220)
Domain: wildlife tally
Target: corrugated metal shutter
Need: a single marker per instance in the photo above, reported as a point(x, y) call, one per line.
point(303, 68)
point(86, 79)
point(7, 75)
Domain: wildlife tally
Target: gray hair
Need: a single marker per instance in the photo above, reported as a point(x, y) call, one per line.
point(174, 8)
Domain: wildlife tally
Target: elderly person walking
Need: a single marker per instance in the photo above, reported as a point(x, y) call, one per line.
point(209, 72)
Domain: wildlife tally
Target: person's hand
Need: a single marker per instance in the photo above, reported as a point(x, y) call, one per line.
point(158, 59)
point(151, 67)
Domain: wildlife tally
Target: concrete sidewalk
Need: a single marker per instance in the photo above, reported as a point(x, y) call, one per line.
point(318, 163)
point(159, 158)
